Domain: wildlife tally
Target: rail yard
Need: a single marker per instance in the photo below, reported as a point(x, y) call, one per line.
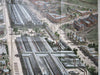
point(21, 15)
point(48, 37)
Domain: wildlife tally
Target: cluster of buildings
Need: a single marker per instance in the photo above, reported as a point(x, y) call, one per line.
point(2, 24)
point(49, 10)
point(4, 61)
point(71, 60)
point(4, 65)
point(2, 30)
point(2, 49)
point(1, 15)
point(91, 20)
point(91, 53)
point(76, 37)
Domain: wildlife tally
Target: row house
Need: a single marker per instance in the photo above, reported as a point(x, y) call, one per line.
point(86, 22)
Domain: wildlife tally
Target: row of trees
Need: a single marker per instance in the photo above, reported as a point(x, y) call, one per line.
point(92, 70)
point(75, 51)
point(93, 45)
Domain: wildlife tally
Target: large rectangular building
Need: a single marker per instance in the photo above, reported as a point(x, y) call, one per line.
point(56, 18)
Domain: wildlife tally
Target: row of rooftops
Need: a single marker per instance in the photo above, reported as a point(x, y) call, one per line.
point(91, 19)
point(40, 2)
point(91, 53)
point(77, 37)
point(45, 5)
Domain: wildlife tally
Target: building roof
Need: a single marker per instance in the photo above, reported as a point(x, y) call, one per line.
point(40, 2)
point(78, 23)
point(83, 11)
point(56, 16)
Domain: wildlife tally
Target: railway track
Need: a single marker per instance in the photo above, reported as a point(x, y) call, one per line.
point(21, 15)
point(35, 44)
point(26, 44)
point(28, 66)
point(35, 66)
point(20, 45)
point(35, 20)
point(53, 66)
point(40, 44)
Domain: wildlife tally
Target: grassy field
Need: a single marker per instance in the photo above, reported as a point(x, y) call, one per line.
point(92, 1)
point(84, 4)
point(93, 36)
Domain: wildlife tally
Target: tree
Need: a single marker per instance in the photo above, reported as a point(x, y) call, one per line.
point(68, 34)
point(59, 10)
point(96, 48)
point(69, 48)
point(7, 48)
point(94, 45)
point(75, 51)
point(92, 70)
point(45, 24)
point(15, 30)
point(3, 54)
point(90, 45)
point(57, 35)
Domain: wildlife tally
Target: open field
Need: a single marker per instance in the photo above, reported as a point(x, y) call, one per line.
point(91, 1)
point(85, 3)
point(93, 35)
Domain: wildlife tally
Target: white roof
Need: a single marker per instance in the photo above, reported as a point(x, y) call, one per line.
point(82, 11)
point(57, 16)
point(40, 2)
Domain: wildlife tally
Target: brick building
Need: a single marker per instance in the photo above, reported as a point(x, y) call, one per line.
point(93, 18)
point(86, 22)
point(78, 25)
point(56, 18)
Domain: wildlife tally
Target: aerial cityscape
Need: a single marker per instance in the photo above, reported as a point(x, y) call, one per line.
point(49, 37)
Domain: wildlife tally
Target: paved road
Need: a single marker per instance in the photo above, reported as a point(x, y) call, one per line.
point(12, 49)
